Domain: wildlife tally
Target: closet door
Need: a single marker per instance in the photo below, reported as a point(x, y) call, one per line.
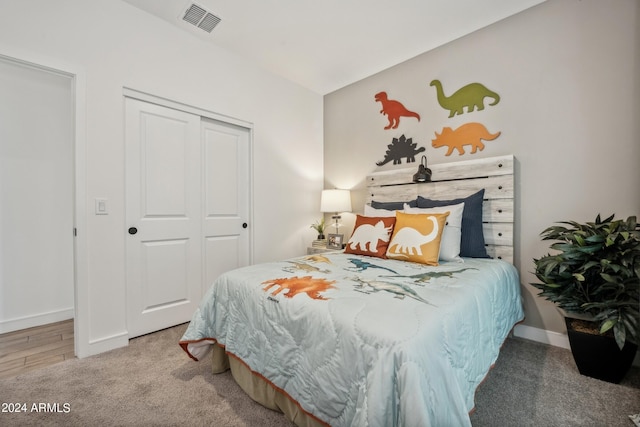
point(188, 191)
point(226, 234)
point(164, 216)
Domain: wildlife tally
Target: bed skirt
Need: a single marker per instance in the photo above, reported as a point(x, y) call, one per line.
point(260, 389)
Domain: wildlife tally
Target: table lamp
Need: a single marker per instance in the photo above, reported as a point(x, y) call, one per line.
point(335, 201)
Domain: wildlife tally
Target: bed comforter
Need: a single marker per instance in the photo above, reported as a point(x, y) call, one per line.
point(360, 341)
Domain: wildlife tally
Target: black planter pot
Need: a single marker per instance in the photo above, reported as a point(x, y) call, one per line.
point(599, 356)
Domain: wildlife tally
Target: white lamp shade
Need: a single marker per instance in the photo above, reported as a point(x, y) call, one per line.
point(335, 201)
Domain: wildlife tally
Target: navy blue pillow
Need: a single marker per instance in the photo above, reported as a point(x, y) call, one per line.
point(472, 241)
point(393, 206)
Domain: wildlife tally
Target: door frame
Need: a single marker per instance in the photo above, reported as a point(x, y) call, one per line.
point(80, 269)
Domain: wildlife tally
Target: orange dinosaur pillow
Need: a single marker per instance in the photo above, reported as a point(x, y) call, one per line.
point(416, 237)
point(371, 236)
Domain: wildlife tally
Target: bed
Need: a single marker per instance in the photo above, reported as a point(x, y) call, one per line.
point(380, 334)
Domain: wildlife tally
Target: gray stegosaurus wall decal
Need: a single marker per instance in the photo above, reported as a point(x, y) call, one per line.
point(401, 148)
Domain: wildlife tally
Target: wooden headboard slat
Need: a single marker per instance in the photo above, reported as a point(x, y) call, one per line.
point(491, 166)
point(495, 187)
point(457, 180)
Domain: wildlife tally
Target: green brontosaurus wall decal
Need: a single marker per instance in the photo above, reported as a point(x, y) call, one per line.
point(470, 96)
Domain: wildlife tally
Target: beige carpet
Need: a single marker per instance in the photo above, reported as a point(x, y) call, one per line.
point(152, 382)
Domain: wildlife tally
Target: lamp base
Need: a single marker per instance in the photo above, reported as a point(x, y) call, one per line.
point(337, 218)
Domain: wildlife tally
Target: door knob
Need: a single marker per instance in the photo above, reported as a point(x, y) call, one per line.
point(133, 230)
point(245, 225)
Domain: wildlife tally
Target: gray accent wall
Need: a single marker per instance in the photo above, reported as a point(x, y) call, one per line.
point(568, 74)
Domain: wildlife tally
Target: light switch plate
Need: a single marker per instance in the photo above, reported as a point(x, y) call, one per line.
point(101, 206)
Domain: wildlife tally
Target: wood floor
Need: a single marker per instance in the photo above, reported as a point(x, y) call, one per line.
point(28, 349)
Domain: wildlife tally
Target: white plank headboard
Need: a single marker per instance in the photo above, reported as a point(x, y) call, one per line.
point(460, 179)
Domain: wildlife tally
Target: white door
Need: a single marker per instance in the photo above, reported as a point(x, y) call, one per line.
point(187, 210)
point(164, 216)
point(227, 199)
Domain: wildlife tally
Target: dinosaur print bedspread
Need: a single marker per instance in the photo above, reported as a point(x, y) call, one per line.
point(361, 341)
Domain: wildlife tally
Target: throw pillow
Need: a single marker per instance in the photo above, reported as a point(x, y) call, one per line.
point(416, 237)
point(472, 241)
point(371, 236)
point(393, 206)
point(452, 234)
point(371, 211)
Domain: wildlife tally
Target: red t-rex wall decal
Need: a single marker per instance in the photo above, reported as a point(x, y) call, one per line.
point(393, 110)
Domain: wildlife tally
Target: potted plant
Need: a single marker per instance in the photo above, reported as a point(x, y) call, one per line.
point(595, 279)
point(319, 227)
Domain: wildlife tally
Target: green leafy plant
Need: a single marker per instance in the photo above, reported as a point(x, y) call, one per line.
point(319, 226)
point(596, 273)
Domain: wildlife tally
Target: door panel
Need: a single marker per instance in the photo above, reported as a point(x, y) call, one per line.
point(164, 268)
point(165, 149)
point(166, 274)
point(221, 164)
point(221, 256)
point(226, 189)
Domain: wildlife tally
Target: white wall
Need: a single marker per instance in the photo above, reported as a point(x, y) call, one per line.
point(36, 197)
point(568, 73)
point(116, 45)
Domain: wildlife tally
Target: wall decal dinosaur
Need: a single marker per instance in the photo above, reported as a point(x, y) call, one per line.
point(467, 134)
point(470, 96)
point(393, 110)
point(399, 148)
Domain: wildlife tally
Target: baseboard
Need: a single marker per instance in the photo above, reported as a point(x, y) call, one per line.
point(552, 338)
point(35, 320)
point(541, 335)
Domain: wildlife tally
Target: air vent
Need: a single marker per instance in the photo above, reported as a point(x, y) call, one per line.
point(201, 18)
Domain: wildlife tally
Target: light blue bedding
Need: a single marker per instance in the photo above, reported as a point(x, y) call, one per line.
point(360, 341)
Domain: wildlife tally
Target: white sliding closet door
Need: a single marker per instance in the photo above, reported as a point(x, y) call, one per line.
point(226, 193)
point(187, 210)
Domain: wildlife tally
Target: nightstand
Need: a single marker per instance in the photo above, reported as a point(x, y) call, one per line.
point(319, 250)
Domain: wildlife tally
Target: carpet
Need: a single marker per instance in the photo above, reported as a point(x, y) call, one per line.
point(153, 382)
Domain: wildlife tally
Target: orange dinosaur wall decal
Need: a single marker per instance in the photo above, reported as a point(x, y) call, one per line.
point(467, 134)
point(298, 285)
point(393, 110)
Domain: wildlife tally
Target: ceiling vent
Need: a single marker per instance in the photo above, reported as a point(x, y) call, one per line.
point(201, 18)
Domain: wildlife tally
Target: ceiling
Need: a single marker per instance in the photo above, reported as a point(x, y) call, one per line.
point(325, 45)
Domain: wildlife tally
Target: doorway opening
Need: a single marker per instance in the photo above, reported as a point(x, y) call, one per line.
point(39, 209)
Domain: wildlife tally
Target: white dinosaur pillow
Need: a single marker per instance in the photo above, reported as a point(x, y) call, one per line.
point(450, 244)
point(416, 237)
point(371, 236)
